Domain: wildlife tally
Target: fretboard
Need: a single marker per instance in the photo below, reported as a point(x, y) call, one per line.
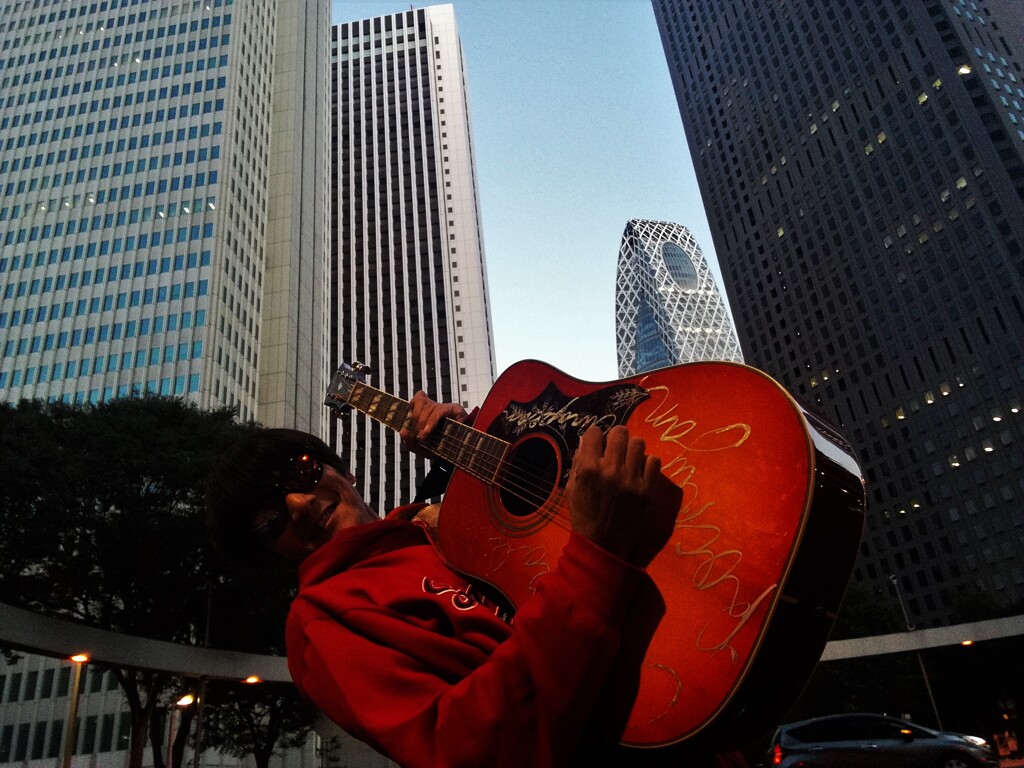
point(469, 449)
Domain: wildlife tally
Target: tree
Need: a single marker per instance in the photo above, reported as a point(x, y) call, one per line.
point(255, 719)
point(244, 719)
point(101, 514)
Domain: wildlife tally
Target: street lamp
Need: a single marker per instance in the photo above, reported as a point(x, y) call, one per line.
point(184, 701)
point(71, 729)
point(198, 747)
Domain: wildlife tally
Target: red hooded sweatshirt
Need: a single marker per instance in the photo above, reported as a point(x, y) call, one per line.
point(404, 654)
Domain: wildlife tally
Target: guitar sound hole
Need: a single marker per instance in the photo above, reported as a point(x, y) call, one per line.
point(530, 478)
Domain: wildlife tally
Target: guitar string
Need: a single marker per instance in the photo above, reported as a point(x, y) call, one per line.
point(523, 482)
point(523, 486)
point(398, 411)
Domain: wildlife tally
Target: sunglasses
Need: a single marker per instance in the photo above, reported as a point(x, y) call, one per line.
point(301, 474)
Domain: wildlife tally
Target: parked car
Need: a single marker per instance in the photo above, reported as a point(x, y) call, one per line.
point(874, 741)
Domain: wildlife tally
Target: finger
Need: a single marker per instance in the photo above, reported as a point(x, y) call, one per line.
point(651, 470)
point(616, 445)
point(427, 421)
point(589, 451)
point(425, 416)
point(636, 457)
point(455, 412)
point(434, 414)
point(452, 411)
point(411, 427)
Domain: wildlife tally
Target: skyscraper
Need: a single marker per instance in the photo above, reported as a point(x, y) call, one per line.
point(667, 306)
point(163, 217)
point(862, 166)
point(409, 283)
point(163, 228)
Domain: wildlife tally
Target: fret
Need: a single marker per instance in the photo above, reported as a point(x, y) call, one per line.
point(470, 449)
point(476, 452)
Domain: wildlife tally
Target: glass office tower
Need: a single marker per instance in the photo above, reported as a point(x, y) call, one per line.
point(862, 165)
point(409, 282)
point(162, 220)
point(667, 306)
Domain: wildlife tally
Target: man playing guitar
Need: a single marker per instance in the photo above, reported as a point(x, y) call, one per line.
point(408, 655)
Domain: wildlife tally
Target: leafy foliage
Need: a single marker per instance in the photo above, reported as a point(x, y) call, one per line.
point(101, 521)
point(245, 719)
point(102, 512)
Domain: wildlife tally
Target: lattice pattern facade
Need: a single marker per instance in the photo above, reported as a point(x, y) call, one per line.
point(667, 307)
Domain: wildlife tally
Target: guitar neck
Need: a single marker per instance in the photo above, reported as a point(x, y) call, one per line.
point(476, 452)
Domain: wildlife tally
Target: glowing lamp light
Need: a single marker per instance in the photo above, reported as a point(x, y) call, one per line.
point(80, 658)
point(186, 700)
point(967, 642)
point(253, 679)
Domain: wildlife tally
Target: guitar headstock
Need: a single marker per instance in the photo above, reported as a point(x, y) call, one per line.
point(339, 391)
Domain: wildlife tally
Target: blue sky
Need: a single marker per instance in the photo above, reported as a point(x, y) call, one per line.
point(576, 131)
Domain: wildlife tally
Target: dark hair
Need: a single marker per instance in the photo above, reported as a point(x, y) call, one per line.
point(240, 483)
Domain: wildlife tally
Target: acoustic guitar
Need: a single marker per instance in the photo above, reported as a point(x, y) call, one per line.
point(764, 542)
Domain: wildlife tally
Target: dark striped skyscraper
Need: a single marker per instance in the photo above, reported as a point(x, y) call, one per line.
point(409, 284)
point(862, 166)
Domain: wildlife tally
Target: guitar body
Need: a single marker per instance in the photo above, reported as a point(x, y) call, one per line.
point(764, 543)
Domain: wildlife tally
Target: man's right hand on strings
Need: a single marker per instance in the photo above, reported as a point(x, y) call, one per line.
point(618, 497)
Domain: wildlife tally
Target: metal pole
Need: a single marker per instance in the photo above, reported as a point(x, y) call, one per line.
point(199, 723)
point(924, 673)
point(899, 596)
point(170, 736)
point(202, 680)
point(931, 696)
point(71, 729)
